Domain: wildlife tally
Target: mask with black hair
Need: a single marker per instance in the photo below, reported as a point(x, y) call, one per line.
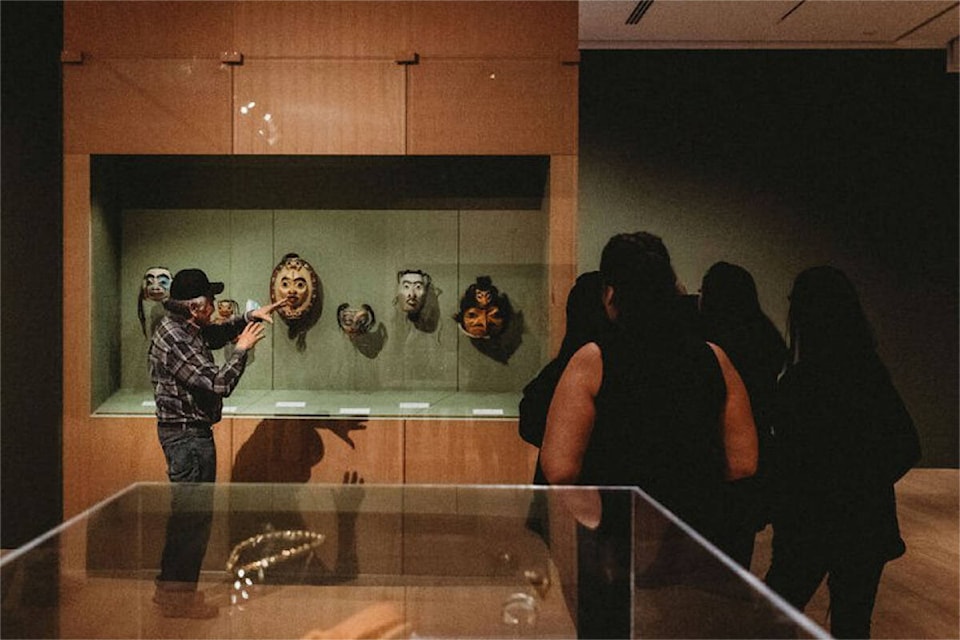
point(484, 312)
point(155, 287)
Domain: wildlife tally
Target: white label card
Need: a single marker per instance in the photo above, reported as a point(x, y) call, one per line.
point(290, 404)
point(355, 411)
point(414, 405)
point(488, 412)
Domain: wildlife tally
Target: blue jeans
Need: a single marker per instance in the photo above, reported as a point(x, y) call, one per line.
point(192, 467)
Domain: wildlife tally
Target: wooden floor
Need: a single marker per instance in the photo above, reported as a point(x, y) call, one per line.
point(919, 594)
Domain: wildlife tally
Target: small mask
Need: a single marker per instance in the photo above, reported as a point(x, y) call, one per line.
point(226, 310)
point(294, 280)
point(355, 321)
point(480, 322)
point(155, 286)
point(412, 286)
point(484, 312)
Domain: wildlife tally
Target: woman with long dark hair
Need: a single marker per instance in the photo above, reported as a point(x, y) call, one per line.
point(843, 437)
point(731, 317)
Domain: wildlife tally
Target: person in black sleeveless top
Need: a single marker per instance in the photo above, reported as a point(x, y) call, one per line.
point(731, 317)
point(646, 405)
point(843, 437)
point(586, 320)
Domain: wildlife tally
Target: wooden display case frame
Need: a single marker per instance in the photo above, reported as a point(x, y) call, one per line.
point(163, 78)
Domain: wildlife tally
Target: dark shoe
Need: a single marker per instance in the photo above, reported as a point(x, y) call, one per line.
point(184, 604)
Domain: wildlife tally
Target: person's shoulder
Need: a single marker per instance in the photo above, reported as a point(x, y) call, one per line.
point(719, 353)
point(587, 359)
point(170, 329)
point(587, 352)
point(546, 378)
point(587, 366)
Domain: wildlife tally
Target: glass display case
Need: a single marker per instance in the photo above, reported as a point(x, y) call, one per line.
point(363, 225)
point(378, 561)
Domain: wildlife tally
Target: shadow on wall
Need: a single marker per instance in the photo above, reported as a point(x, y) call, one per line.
point(279, 451)
point(285, 451)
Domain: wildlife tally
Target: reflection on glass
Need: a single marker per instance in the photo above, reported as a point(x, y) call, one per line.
point(520, 610)
point(414, 561)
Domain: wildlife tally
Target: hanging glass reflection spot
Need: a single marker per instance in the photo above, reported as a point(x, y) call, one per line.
point(520, 610)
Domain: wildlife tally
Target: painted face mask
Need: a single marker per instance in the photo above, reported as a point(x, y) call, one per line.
point(355, 320)
point(226, 310)
point(484, 312)
point(156, 284)
point(294, 280)
point(412, 286)
point(482, 322)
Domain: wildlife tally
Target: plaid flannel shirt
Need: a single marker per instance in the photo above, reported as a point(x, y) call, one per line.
point(188, 385)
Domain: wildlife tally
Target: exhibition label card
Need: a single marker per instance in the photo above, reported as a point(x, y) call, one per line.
point(488, 412)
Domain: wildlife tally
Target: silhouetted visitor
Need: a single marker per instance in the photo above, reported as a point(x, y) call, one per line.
point(731, 317)
point(586, 319)
point(843, 437)
point(651, 405)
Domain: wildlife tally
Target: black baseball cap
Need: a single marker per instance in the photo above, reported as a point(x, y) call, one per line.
point(192, 283)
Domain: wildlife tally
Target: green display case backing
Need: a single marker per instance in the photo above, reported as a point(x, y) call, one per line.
point(358, 222)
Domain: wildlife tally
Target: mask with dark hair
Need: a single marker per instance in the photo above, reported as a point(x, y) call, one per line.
point(155, 286)
point(355, 320)
point(484, 312)
point(412, 287)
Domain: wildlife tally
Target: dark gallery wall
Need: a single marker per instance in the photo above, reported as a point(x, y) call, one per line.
point(781, 160)
point(30, 280)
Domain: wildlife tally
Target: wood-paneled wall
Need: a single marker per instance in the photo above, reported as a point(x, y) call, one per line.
point(331, 77)
point(309, 78)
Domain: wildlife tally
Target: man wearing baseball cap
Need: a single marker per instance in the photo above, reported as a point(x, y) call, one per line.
point(189, 389)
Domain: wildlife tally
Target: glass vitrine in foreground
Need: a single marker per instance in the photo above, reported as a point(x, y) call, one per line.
point(397, 561)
